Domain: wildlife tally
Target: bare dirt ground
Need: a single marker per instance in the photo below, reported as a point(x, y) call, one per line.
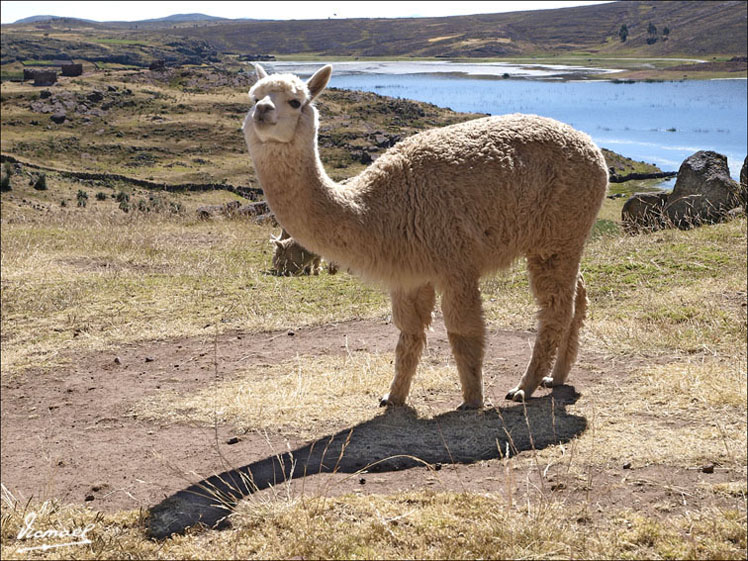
point(72, 434)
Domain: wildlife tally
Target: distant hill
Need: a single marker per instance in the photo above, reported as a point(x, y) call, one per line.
point(653, 29)
point(622, 29)
point(179, 18)
point(36, 19)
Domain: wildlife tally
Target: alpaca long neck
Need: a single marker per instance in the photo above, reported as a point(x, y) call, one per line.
point(316, 211)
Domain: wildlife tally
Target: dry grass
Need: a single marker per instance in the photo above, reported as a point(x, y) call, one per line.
point(305, 397)
point(90, 283)
point(408, 526)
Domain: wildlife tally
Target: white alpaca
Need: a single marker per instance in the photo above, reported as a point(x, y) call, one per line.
point(436, 212)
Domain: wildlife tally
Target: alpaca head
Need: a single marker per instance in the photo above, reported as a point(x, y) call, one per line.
point(281, 103)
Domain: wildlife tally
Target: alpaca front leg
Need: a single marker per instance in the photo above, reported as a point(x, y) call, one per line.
point(463, 317)
point(411, 313)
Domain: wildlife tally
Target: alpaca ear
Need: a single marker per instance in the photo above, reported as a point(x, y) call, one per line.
point(260, 71)
point(318, 82)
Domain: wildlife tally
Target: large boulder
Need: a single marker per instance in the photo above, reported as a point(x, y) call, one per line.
point(644, 211)
point(704, 191)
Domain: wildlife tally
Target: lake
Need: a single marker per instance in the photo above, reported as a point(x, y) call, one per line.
point(657, 122)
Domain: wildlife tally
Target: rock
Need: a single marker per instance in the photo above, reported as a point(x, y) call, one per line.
point(58, 117)
point(44, 94)
point(208, 211)
point(362, 156)
point(254, 209)
point(95, 96)
point(704, 191)
point(644, 211)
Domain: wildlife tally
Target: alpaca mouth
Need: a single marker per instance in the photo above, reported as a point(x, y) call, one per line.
point(264, 119)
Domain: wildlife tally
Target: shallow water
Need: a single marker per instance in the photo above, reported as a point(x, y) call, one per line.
point(657, 122)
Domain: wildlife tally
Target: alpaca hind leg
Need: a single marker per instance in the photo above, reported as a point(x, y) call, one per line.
point(411, 313)
point(463, 317)
point(553, 282)
point(567, 350)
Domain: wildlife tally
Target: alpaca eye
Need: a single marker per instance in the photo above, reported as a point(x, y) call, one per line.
point(295, 103)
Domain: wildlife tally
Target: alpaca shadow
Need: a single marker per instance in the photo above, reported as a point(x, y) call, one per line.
point(395, 440)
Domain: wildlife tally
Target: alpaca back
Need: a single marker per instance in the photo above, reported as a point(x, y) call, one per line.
point(477, 195)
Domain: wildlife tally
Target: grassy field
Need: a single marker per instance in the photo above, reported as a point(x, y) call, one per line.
point(658, 472)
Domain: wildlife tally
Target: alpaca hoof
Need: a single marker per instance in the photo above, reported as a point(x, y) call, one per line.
point(516, 395)
point(548, 382)
point(470, 405)
point(387, 401)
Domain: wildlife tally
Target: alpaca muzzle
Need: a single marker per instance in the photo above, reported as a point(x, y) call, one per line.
point(263, 112)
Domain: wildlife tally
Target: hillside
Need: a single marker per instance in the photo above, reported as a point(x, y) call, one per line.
point(694, 28)
point(654, 29)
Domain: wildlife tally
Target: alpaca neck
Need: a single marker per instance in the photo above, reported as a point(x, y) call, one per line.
point(315, 210)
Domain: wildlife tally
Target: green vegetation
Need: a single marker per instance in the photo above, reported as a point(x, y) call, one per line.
point(623, 33)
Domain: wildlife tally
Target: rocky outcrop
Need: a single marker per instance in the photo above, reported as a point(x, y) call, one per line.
point(704, 193)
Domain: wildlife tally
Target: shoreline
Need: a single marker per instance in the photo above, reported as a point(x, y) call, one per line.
point(548, 71)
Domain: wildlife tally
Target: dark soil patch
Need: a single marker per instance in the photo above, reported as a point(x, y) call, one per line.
point(71, 435)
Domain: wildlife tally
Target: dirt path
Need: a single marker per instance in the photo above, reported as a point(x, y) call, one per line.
point(71, 434)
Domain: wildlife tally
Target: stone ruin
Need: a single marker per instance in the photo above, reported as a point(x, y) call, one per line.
point(72, 69)
point(44, 77)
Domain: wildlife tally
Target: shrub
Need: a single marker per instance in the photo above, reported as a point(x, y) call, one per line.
point(623, 32)
point(41, 183)
point(5, 183)
point(122, 197)
point(100, 196)
point(82, 198)
point(124, 206)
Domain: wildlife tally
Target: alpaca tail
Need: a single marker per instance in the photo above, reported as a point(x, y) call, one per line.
point(569, 347)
